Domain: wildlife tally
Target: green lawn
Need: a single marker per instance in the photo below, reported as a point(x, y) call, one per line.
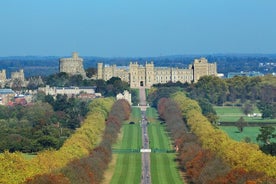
point(163, 167)
point(28, 156)
point(128, 165)
point(233, 114)
point(127, 169)
point(251, 132)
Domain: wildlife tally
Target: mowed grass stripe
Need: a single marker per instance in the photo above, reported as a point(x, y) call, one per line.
point(161, 137)
point(127, 138)
point(158, 137)
point(163, 167)
point(139, 137)
point(134, 169)
point(154, 167)
point(124, 171)
point(128, 165)
point(135, 115)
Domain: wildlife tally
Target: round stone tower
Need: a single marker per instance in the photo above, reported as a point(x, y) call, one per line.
point(72, 66)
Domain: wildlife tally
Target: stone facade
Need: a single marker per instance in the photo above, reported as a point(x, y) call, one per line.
point(72, 66)
point(145, 76)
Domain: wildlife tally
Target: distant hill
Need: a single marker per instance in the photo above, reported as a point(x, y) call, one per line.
point(46, 65)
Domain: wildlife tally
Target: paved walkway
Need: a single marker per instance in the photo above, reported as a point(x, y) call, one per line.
point(146, 178)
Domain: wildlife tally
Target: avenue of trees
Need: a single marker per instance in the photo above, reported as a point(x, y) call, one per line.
point(14, 168)
point(207, 153)
point(90, 169)
point(48, 121)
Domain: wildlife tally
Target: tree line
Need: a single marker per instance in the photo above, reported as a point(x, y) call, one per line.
point(43, 124)
point(246, 92)
point(14, 168)
point(207, 154)
point(90, 169)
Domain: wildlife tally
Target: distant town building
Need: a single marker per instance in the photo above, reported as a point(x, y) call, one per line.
point(6, 96)
point(69, 91)
point(247, 74)
point(72, 66)
point(145, 76)
point(125, 95)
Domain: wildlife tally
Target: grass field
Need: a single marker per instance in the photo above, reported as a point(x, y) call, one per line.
point(128, 165)
point(233, 114)
point(163, 167)
point(28, 156)
point(251, 132)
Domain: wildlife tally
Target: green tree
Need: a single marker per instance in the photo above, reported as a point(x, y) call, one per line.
point(240, 124)
point(268, 110)
point(90, 72)
point(247, 108)
point(266, 134)
point(212, 88)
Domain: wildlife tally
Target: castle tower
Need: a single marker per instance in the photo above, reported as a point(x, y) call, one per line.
point(3, 75)
point(150, 80)
point(201, 67)
point(100, 71)
point(72, 66)
point(134, 75)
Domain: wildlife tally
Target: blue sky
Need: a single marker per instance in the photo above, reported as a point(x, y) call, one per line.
point(111, 28)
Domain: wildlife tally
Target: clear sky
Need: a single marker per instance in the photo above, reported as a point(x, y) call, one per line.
point(111, 28)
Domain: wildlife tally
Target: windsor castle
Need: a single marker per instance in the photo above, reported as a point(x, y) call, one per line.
point(142, 76)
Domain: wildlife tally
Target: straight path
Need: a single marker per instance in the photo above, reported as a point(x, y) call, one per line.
point(146, 177)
